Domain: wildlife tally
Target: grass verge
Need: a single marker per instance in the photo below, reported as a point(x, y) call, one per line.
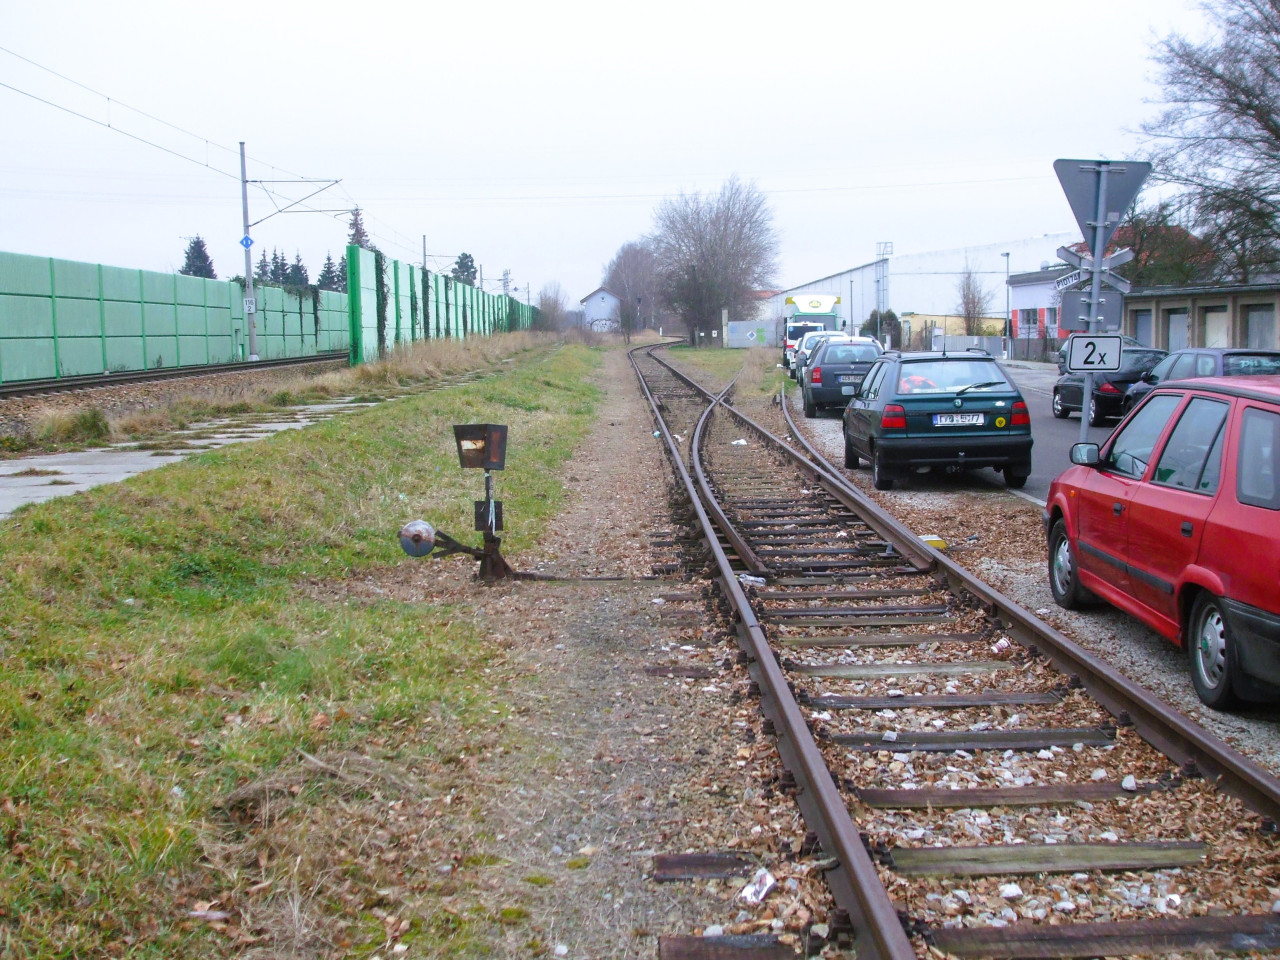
point(209, 742)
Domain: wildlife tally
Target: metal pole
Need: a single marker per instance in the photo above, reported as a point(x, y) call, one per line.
point(1099, 228)
point(249, 315)
point(1008, 316)
point(424, 251)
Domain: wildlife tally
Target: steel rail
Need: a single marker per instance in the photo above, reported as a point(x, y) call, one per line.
point(65, 384)
point(855, 882)
point(1167, 730)
point(750, 559)
point(885, 524)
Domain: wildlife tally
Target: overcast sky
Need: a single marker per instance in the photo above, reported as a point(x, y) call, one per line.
point(540, 137)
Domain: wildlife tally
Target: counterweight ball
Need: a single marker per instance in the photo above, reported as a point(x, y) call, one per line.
point(417, 538)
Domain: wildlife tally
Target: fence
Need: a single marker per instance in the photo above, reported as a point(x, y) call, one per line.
point(393, 302)
point(63, 318)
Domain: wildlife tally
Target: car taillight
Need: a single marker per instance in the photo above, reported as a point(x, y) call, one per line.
point(1108, 387)
point(893, 417)
point(1020, 418)
point(817, 376)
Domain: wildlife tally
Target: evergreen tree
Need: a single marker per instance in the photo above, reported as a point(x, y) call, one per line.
point(329, 278)
point(262, 273)
point(296, 275)
point(198, 263)
point(279, 266)
point(342, 274)
point(464, 269)
point(358, 235)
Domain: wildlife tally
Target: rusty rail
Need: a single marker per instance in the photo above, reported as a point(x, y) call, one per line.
point(855, 885)
point(1167, 730)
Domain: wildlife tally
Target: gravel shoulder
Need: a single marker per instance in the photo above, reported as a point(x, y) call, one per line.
point(999, 537)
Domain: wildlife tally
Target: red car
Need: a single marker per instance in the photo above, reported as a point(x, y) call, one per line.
point(1176, 520)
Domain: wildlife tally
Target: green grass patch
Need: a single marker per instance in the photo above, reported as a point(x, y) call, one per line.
point(190, 632)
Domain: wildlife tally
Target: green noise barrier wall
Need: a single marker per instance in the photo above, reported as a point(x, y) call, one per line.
point(62, 318)
point(394, 303)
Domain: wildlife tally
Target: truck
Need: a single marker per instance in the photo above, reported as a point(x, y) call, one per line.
point(806, 312)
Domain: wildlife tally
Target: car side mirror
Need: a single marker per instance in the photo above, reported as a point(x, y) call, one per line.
point(1085, 454)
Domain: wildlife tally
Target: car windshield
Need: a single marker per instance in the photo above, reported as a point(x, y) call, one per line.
point(1247, 364)
point(1131, 361)
point(798, 330)
point(951, 376)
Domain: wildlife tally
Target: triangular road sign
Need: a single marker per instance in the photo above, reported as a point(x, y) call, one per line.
point(1080, 178)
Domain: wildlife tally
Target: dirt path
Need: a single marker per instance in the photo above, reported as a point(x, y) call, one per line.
point(602, 764)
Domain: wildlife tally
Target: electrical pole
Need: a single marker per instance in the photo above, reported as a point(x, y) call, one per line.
point(424, 253)
point(250, 304)
point(506, 283)
point(480, 276)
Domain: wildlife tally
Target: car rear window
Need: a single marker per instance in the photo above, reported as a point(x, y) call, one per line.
point(1131, 360)
point(1247, 364)
point(948, 376)
point(1258, 460)
point(850, 353)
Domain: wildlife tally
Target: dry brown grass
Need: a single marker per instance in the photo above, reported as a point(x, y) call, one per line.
point(150, 410)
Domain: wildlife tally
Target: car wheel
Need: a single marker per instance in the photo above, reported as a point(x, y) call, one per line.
point(810, 409)
point(1064, 578)
point(1059, 410)
point(1015, 479)
point(1211, 651)
point(1096, 419)
point(881, 479)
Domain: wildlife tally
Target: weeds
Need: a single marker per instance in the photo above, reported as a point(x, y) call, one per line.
point(203, 715)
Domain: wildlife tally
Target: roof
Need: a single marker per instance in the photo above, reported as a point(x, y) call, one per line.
point(1203, 289)
point(600, 290)
point(1040, 276)
point(1257, 387)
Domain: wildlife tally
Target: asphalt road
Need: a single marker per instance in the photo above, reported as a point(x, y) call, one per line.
point(1053, 438)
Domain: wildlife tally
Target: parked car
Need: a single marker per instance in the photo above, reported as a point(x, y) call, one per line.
point(835, 371)
point(937, 411)
point(1108, 386)
point(1061, 356)
point(1203, 362)
point(1176, 520)
point(805, 347)
point(795, 330)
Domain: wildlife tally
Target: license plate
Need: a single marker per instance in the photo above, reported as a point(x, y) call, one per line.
point(957, 419)
point(850, 378)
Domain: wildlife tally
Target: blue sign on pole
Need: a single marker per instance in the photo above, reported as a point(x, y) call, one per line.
point(246, 241)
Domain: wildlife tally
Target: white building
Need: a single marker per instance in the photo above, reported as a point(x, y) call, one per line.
point(600, 310)
point(926, 283)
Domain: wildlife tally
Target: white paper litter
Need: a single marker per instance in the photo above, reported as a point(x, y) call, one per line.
point(755, 891)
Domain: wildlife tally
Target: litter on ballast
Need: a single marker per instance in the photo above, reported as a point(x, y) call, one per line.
point(755, 891)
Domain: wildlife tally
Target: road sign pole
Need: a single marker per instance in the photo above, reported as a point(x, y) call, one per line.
point(1099, 250)
point(250, 315)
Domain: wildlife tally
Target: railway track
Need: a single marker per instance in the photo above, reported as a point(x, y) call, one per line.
point(29, 388)
point(980, 786)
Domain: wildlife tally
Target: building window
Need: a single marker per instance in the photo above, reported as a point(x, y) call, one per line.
point(1260, 326)
point(1175, 329)
point(1215, 328)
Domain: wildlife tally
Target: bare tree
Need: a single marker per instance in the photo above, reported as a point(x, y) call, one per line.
point(713, 251)
point(974, 303)
point(630, 276)
point(552, 311)
point(1219, 134)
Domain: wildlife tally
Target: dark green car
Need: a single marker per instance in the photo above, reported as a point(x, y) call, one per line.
point(937, 411)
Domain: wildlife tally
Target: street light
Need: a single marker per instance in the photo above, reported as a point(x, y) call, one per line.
point(1008, 317)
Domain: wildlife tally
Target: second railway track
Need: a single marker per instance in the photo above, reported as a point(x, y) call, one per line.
point(980, 785)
